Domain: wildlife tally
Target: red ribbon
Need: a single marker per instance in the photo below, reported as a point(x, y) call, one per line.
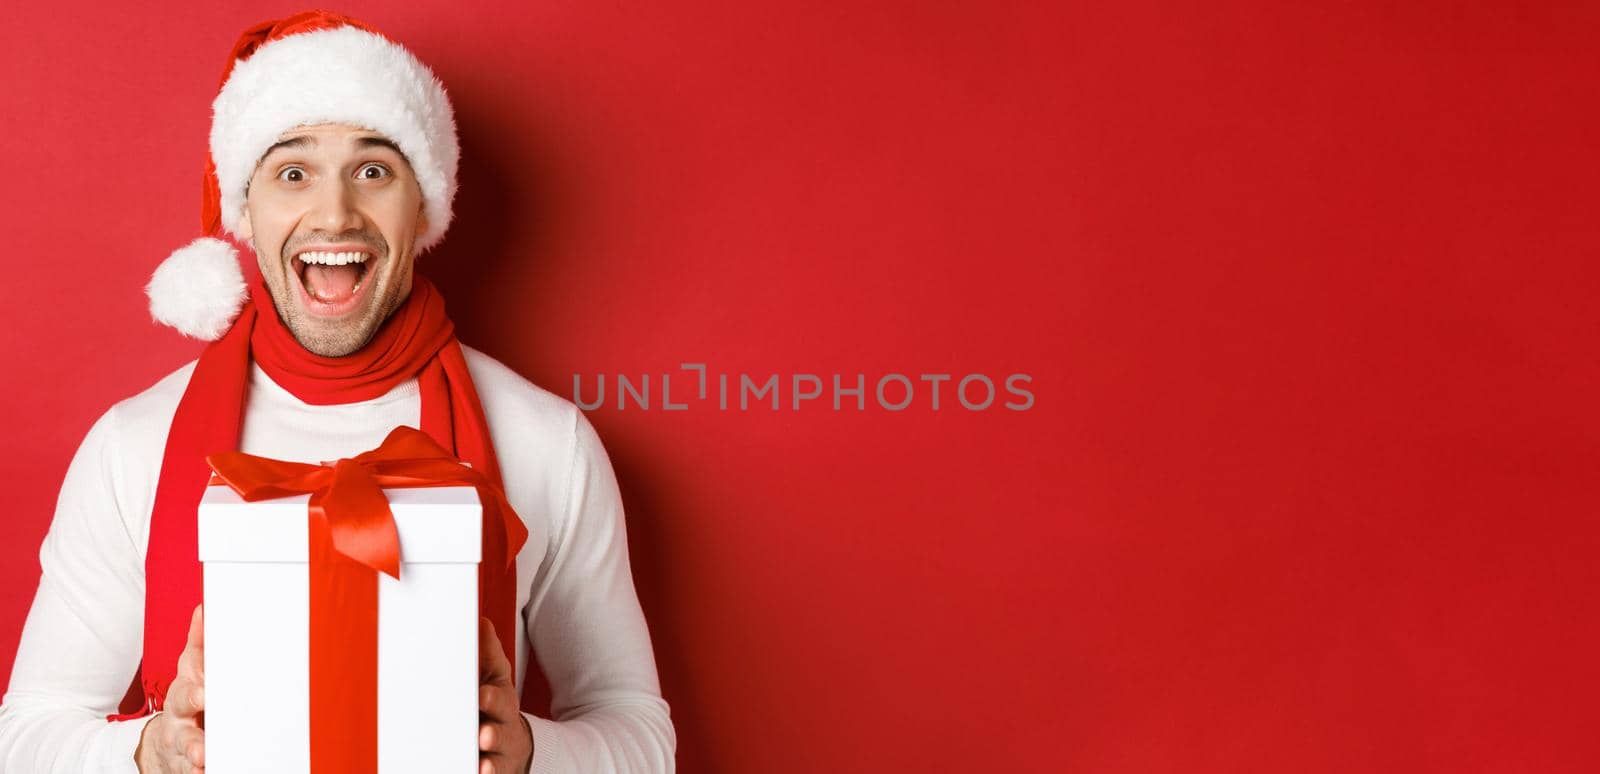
point(351, 533)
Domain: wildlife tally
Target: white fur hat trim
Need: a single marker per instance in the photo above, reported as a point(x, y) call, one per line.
point(336, 75)
point(199, 289)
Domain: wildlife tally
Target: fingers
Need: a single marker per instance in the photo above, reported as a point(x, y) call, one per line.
point(185, 699)
point(179, 743)
point(503, 735)
point(506, 747)
point(498, 703)
point(491, 743)
point(495, 765)
point(492, 665)
point(189, 747)
point(499, 710)
point(173, 746)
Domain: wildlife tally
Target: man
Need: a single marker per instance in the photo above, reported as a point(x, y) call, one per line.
point(334, 157)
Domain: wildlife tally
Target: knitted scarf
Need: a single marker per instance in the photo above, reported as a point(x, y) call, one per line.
point(417, 340)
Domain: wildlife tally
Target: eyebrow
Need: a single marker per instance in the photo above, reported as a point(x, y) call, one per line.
point(302, 141)
point(381, 142)
point(306, 140)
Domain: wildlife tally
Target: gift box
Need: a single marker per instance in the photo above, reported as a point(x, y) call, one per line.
point(277, 697)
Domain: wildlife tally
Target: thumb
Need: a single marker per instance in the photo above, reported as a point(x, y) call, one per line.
point(197, 641)
point(492, 665)
point(197, 627)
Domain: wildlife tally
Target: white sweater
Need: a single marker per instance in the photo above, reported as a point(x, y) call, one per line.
point(84, 634)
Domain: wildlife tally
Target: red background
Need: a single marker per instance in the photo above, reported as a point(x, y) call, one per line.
point(1306, 296)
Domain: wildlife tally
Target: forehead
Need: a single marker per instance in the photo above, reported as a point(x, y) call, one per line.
point(332, 139)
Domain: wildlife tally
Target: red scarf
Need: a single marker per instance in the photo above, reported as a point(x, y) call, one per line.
point(418, 340)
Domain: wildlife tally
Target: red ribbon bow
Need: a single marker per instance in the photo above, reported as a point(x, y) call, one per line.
point(351, 532)
point(349, 493)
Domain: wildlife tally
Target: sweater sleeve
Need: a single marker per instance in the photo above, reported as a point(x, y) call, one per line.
point(81, 642)
point(590, 636)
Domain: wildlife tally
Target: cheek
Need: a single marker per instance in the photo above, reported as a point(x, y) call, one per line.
point(272, 229)
point(401, 206)
point(266, 219)
point(397, 218)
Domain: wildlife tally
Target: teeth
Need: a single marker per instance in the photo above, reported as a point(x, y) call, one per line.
point(332, 259)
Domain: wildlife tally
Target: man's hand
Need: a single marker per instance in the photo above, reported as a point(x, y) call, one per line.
point(504, 737)
point(173, 741)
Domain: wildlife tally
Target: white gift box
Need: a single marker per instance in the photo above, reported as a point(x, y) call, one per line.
point(257, 653)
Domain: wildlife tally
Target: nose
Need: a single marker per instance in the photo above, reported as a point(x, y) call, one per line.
point(334, 208)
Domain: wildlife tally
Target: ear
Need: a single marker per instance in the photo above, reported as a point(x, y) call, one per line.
point(245, 229)
point(422, 219)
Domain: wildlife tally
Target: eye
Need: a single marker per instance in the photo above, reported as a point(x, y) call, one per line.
point(292, 175)
point(373, 171)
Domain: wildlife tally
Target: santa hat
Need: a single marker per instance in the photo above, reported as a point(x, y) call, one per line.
point(309, 68)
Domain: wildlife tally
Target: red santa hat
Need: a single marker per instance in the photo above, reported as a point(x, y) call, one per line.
point(308, 68)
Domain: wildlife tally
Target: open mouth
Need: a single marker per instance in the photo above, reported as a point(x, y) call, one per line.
point(333, 279)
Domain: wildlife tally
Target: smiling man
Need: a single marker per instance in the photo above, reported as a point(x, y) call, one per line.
point(333, 157)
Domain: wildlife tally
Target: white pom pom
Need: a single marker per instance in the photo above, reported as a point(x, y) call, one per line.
point(199, 289)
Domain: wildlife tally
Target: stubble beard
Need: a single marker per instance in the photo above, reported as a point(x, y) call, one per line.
point(326, 338)
point(332, 339)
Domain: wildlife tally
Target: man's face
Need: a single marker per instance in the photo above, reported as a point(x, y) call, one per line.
point(333, 213)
